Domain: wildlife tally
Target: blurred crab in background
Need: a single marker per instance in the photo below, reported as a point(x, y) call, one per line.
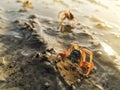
point(67, 21)
point(78, 55)
point(27, 4)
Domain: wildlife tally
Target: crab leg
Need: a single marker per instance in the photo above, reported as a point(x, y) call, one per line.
point(88, 52)
point(84, 63)
point(62, 55)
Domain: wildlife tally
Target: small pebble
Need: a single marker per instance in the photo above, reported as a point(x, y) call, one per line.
point(47, 85)
point(48, 54)
point(24, 53)
point(78, 80)
point(48, 63)
point(94, 33)
point(4, 61)
point(37, 55)
point(91, 41)
point(99, 53)
point(73, 87)
point(19, 1)
point(85, 30)
point(99, 87)
point(96, 43)
point(34, 16)
point(18, 21)
point(50, 22)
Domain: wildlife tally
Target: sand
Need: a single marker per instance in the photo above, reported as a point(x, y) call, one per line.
point(27, 64)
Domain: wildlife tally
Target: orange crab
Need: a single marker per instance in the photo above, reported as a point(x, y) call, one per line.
point(78, 54)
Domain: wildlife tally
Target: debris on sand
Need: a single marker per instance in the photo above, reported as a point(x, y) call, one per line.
point(71, 73)
point(99, 53)
point(19, 1)
point(4, 62)
point(103, 26)
point(33, 16)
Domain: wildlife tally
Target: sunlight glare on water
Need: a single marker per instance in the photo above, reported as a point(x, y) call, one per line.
point(111, 52)
point(108, 49)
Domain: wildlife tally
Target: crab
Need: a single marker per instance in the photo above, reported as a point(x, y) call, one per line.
point(27, 4)
point(78, 55)
point(67, 19)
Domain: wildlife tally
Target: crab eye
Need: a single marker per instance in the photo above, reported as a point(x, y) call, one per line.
point(75, 55)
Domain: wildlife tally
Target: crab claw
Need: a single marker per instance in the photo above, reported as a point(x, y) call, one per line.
point(62, 55)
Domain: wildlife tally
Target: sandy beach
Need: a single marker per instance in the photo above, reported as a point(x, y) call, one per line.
point(30, 41)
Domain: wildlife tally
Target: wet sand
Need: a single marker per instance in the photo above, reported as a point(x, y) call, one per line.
point(24, 62)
